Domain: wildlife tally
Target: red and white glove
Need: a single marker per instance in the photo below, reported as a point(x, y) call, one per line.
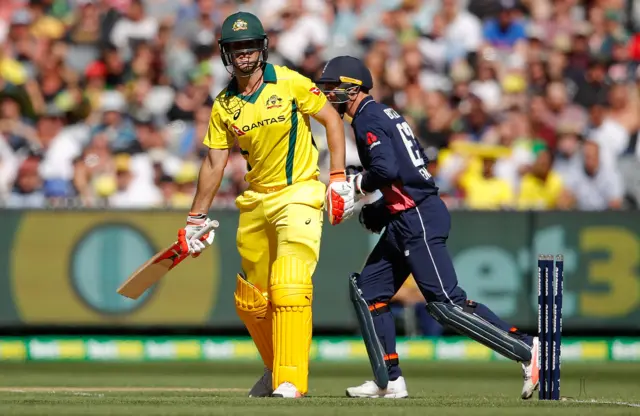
point(340, 198)
point(189, 244)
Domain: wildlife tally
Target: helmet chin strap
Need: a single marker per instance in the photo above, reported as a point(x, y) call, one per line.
point(241, 74)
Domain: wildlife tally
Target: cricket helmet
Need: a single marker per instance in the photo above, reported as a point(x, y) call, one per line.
point(242, 26)
point(342, 78)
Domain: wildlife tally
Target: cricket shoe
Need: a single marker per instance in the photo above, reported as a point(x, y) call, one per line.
point(396, 389)
point(530, 372)
point(263, 388)
point(286, 390)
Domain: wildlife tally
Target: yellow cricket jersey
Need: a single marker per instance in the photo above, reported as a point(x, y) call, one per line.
point(271, 127)
point(487, 193)
point(538, 194)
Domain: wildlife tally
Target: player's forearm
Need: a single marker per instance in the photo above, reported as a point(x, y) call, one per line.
point(378, 176)
point(209, 180)
point(336, 144)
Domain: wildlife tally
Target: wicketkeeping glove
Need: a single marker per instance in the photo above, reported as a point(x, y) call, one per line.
point(195, 222)
point(375, 216)
point(354, 177)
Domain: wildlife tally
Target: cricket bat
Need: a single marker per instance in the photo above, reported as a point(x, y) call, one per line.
point(157, 266)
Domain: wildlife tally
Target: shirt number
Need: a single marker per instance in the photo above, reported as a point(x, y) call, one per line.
point(410, 143)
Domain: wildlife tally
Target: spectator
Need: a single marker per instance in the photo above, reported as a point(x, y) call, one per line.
point(8, 168)
point(596, 186)
point(300, 29)
point(27, 191)
point(83, 80)
point(541, 188)
point(135, 26)
point(592, 88)
point(114, 121)
point(483, 190)
point(462, 28)
point(611, 136)
point(504, 31)
point(185, 189)
point(129, 192)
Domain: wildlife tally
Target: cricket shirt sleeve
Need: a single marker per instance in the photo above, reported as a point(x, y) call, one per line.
point(308, 96)
point(218, 136)
point(383, 165)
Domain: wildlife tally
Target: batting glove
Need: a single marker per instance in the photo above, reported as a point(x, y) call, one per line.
point(340, 200)
point(186, 236)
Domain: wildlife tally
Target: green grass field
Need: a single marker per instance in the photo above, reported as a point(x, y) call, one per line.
point(220, 388)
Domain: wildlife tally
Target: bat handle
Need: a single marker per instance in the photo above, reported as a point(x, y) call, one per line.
point(209, 227)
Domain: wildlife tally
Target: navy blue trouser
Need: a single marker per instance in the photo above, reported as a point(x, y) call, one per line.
point(415, 242)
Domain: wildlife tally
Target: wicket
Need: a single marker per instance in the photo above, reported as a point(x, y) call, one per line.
point(550, 285)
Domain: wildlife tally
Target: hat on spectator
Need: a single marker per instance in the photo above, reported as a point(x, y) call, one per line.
point(21, 17)
point(158, 155)
point(634, 47)
point(538, 146)
point(535, 31)
point(461, 72)
point(112, 101)
point(105, 185)
point(122, 162)
point(613, 15)
point(96, 69)
point(582, 29)
point(52, 111)
point(507, 5)
point(188, 173)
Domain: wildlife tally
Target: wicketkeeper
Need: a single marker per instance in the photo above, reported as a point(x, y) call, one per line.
point(265, 109)
point(415, 226)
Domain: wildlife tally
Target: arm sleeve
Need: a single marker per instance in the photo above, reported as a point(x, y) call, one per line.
point(308, 96)
point(218, 137)
point(383, 168)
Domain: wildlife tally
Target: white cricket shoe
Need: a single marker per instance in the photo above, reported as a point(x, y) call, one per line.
point(286, 390)
point(263, 387)
point(530, 372)
point(396, 389)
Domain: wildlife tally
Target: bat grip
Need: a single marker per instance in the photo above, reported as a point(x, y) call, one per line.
point(209, 227)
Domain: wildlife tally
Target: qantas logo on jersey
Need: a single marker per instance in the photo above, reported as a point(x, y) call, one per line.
point(315, 90)
point(261, 123)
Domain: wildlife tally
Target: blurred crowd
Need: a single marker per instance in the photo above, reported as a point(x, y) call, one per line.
point(519, 104)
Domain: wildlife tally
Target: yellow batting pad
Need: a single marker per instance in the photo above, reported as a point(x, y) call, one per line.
point(255, 311)
point(291, 296)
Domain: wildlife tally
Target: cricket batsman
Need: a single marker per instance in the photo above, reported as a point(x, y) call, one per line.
point(416, 226)
point(266, 110)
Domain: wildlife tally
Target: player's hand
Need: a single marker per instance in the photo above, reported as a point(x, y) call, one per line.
point(186, 236)
point(354, 177)
point(339, 199)
point(375, 216)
